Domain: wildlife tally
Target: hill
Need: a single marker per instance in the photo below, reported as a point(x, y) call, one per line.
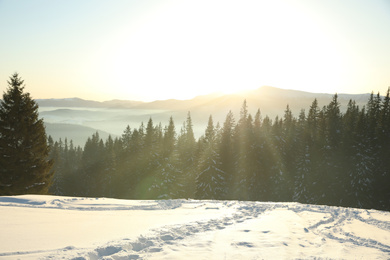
point(77, 133)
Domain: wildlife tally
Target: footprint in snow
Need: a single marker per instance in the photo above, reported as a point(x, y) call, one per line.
point(246, 244)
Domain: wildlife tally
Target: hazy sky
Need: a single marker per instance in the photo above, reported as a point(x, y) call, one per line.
point(147, 50)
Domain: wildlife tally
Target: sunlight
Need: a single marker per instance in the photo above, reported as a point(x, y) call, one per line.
point(184, 50)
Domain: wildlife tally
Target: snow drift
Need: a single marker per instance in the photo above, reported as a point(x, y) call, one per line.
point(52, 227)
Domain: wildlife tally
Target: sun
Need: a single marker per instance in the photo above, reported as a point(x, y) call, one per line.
point(185, 50)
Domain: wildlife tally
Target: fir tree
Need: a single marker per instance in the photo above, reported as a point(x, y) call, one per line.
point(25, 167)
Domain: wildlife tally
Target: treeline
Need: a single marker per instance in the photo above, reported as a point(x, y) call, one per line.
point(322, 157)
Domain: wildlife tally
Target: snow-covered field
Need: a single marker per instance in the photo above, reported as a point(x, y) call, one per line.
point(51, 227)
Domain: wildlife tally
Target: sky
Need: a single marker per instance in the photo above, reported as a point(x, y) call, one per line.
point(154, 50)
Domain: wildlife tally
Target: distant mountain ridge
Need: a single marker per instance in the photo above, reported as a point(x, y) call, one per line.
point(112, 117)
point(78, 102)
point(265, 93)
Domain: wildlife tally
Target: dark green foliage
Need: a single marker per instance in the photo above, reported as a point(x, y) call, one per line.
point(321, 157)
point(24, 164)
point(226, 153)
point(210, 181)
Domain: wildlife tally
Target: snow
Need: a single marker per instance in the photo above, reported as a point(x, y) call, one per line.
point(53, 227)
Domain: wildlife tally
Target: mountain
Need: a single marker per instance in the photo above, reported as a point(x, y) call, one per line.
point(113, 116)
point(78, 102)
point(269, 99)
point(77, 133)
point(68, 102)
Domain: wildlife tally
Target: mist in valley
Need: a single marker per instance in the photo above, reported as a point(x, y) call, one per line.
point(77, 119)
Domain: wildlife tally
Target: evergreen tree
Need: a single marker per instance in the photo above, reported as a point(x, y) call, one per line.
point(210, 181)
point(24, 164)
point(380, 183)
point(165, 184)
point(245, 163)
point(110, 165)
point(186, 146)
point(227, 153)
point(56, 156)
point(358, 162)
point(92, 166)
point(311, 158)
point(149, 162)
point(71, 171)
point(333, 154)
point(303, 166)
point(276, 144)
point(288, 151)
point(262, 157)
point(267, 158)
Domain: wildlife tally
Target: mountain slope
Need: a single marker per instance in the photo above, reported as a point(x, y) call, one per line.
point(77, 133)
point(101, 228)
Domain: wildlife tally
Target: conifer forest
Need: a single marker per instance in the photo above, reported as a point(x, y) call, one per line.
point(323, 156)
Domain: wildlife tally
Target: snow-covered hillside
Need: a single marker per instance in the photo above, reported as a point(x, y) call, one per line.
point(50, 227)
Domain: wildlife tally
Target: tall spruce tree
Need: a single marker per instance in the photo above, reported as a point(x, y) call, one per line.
point(333, 153)
point(245, 163)
point(210, 181)
point(24, 163)
point(93, 166)
point(186, 145)
point(226, 152)
point(382, 180)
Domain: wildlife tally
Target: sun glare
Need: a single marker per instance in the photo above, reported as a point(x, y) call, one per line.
point(186, 50)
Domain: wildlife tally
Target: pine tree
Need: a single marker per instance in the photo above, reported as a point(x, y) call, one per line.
point(24, 164)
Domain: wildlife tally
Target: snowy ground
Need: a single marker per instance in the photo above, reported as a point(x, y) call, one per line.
point(50, 227)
